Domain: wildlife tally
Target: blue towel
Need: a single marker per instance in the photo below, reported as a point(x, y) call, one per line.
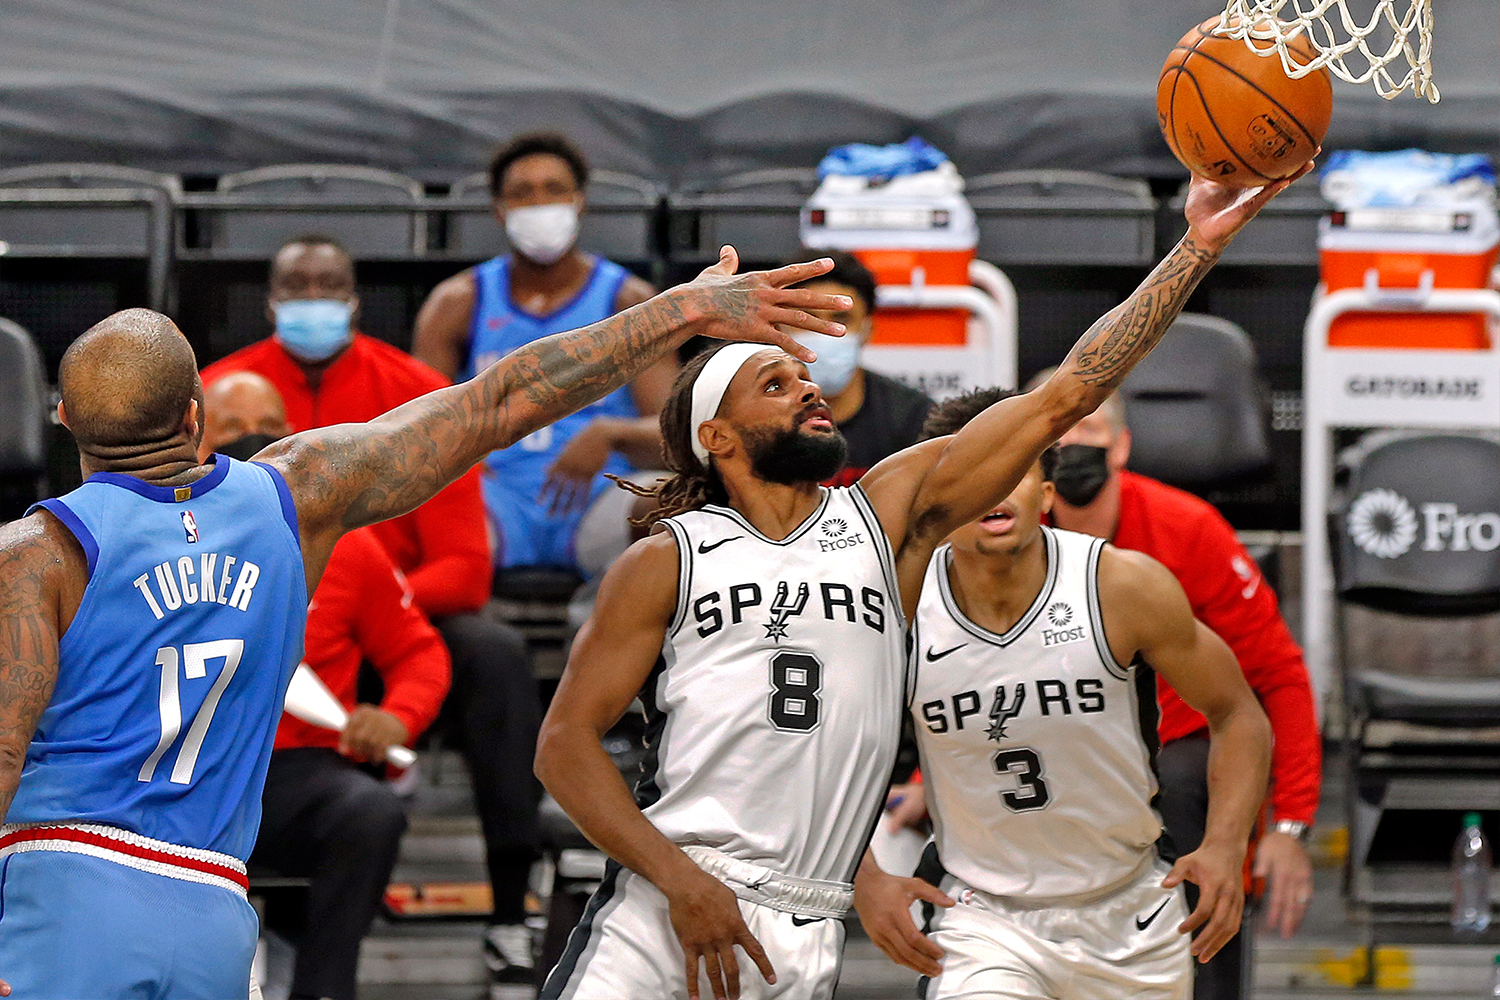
point(861, 159)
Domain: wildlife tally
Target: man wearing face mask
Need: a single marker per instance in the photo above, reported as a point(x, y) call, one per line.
point(547, 496)
point(328, 373)
point(1097, 495)
point(877, 415)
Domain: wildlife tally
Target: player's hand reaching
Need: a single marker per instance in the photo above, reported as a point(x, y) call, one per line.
point(883, 902)
point(755, 306)
point(1217, 872)
point(706, 917)
point(1216, 212)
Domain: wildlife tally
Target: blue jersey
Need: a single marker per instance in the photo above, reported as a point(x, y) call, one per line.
point(529, 534)
point(172, 673)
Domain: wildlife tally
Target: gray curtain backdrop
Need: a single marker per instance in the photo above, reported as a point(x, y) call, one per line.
point(678, 91)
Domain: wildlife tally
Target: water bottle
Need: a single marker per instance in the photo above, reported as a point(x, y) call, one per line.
point(1471, 879)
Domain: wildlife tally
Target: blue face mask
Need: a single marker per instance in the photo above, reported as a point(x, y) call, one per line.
point(838, 359)
point(314, 329)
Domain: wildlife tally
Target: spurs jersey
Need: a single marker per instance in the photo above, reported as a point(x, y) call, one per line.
point(774, 711)
point(1039, 780)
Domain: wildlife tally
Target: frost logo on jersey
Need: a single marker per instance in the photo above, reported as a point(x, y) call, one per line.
point(783, 608)
point(1001, 712)
point(190, 525)
point(1060, 613)
point(836, 536)
point(1382, 523)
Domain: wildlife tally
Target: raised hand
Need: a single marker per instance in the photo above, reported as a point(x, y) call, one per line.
point(1216, 212)
point(706, 917)
point(755, 306)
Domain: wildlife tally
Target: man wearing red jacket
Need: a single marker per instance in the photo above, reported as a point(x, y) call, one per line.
point(328, 373)
point(324, 816)
point(1097, 495)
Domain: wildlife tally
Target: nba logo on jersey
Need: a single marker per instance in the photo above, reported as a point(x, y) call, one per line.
point(190, 525)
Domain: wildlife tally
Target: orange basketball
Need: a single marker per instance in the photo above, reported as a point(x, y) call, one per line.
point(1234, 116)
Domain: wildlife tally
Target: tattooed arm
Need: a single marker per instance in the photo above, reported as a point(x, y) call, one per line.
point(925, 492)
point(42, 575)
point(349, 475)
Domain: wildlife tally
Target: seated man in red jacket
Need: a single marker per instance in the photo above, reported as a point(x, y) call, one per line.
point(324, 815)
point(1096, 494)
point(328, 373)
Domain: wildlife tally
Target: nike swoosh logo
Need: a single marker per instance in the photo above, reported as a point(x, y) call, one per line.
point(933, 657)
point(1141, 925)
point(704, 547)
point(804, 921)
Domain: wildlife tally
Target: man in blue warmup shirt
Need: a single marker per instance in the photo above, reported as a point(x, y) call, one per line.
point(151, 618)
point(541, 494)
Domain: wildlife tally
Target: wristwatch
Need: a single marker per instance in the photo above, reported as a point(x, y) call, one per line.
point(1294, 828)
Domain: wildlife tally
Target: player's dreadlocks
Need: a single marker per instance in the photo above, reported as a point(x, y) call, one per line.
point(692, 484)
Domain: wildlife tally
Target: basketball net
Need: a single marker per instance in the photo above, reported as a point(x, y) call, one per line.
point(1259, 21)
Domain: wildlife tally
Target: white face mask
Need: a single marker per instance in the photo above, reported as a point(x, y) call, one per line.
point(542, 233)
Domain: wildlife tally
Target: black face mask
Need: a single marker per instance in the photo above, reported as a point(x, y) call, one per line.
point(244, 448)
point(790, 456)
point(1082, 470)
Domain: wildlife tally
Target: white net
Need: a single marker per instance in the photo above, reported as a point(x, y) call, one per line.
point(1352, 51)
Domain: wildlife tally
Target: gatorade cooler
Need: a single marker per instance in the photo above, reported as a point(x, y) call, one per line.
point(1403, 251)
point(914, 230)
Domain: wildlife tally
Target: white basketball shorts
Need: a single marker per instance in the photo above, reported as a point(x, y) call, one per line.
point(1122, 945)
point(624, 948)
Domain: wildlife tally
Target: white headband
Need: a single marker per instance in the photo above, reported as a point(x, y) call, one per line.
point(713, 381)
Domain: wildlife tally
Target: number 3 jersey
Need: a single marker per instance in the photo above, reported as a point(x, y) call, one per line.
point(1038, 778)
point(172, 672)
point(774, 711)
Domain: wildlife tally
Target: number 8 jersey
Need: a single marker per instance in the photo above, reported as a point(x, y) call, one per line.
point(774, 711)
point(172, 672)
point(1038, 779)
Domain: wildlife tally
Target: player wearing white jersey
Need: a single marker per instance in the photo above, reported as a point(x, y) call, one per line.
point(1037, 774)
point(756, 651)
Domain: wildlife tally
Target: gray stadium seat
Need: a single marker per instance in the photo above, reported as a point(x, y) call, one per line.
point(91, 210)
point(1415, 531)
point(23, 421)
point(1063, 217)
point(758, 211)
point(619, 223)
point(1197, 414)
point(361, 207)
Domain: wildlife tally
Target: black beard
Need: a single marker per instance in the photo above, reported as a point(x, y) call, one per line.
point(790, 457)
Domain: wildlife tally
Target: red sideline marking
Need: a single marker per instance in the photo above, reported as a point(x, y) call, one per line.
point(121, 847)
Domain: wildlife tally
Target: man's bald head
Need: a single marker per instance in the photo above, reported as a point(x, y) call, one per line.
point(239, 404)
point(128, 380)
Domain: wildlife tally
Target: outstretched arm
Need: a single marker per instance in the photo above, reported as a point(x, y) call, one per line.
point(349, 475)
point(607, 667)
point(1147, 613)
point(924, 493)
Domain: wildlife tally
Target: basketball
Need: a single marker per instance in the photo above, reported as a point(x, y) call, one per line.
point(1234, 116)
